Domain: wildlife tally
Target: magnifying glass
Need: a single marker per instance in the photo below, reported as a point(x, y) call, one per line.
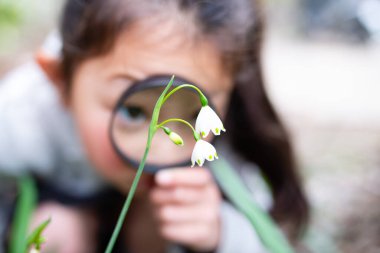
point(131, 117)
point(128, 132)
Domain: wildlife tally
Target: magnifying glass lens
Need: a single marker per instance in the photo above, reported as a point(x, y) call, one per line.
point(131, 119)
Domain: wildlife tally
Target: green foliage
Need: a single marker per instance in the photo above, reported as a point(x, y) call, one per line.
point(233, 187)
point(10, 14)
point(19, 241)
point(25, 205)
point(36, 238)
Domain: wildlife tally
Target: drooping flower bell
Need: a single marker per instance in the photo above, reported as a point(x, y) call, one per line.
point(208, 120)
point(203, 151)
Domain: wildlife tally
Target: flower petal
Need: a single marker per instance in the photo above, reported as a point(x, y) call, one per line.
point(203, 151)
point(208, 151)
point(196, 156)
point(201, 124)
point(208, 120)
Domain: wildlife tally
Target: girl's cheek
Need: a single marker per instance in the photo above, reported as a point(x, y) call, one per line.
point(106, 161)
point(100, 151)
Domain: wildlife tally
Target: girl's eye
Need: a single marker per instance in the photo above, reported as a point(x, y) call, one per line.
point(133, 114)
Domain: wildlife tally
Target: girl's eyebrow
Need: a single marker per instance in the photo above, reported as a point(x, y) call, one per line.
point(127, 76)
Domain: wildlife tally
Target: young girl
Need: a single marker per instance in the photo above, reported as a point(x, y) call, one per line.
point(107, 46)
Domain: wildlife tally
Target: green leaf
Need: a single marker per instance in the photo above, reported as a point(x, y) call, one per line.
point(25, 205)
point(233, 187)
point(36, 236)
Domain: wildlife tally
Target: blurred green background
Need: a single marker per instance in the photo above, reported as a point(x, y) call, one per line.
point(23, 26)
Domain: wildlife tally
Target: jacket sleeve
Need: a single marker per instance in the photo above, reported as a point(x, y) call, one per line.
point(38, 135)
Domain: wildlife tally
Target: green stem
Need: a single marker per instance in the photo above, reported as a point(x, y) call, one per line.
point(176, 120)
point(131, 193)
point(128, 201)
point(202, 96)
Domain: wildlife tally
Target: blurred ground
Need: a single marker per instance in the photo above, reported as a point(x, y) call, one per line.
point(328, 94)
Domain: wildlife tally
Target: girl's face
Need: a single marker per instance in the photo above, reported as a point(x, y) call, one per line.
point(138, 53)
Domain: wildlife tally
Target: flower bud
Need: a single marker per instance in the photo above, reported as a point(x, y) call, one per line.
point(176, 139)
point(34, 250)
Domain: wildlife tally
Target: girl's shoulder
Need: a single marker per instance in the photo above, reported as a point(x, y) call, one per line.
point(27, 105)
point(37, 133)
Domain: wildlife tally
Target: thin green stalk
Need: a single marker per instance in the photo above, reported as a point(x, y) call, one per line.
point(131, 193)
point(128, 201)
point(176, 120)
point(202, 96)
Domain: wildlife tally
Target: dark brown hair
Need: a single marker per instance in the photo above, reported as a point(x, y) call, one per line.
point(89, 28)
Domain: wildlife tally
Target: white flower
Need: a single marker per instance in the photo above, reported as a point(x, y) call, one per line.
point(208, 120)
point(203, 150)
